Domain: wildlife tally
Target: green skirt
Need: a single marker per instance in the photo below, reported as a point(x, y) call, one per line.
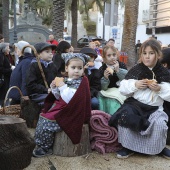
point(108, 105)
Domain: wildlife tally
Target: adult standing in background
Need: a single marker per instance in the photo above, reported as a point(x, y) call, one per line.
point(5, 70)
point(18, 75)
point(137, 46)
point(111, 42)
point(52, 40)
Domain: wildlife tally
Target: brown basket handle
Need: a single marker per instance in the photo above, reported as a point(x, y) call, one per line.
point(38, 61)
point(6, 96)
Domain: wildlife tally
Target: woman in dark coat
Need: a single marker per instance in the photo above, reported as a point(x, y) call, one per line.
point(18, 76)
point(62, 47)
point(5, 70)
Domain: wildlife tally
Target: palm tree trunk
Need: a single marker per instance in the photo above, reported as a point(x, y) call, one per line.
point(74, 22)
point(58, 18)
point(129, 30)
point(0, 17)
point(5, 19)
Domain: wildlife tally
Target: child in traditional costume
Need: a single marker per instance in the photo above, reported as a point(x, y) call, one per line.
point(111, 73)
point(67, 108)
point(142, 123)
point(35, 85)
point(166, 63)
point(93, 76)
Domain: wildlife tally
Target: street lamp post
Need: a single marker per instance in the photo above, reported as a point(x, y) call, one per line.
point(15, 23)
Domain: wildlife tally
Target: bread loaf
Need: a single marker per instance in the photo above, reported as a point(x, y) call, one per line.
point(151, 81)
point(58, 81)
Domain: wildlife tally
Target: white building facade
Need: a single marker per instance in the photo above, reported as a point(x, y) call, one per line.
point(152, 14)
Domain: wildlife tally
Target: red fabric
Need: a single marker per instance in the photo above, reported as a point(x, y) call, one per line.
point(59, 105)
point(103, 138)
point(53, 42)
point(11, 60)
point(73, 115)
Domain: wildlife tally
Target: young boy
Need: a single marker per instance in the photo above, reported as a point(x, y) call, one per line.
point(35, 85)
point(93, 76)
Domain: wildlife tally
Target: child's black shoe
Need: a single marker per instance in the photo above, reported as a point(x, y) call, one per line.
point(124, 153)
point(39, 152)
point(165, 153)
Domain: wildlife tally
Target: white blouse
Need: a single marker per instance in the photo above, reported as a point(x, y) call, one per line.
point(64, 91)
point(146, 96)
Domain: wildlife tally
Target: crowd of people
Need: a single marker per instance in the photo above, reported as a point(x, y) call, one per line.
point(76, 83)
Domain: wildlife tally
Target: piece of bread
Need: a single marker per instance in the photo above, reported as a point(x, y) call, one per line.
point(59, 81)
point(111, 71)
point(90, 64)
point(151, 81)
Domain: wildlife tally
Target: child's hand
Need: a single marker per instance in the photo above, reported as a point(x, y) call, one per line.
point(53, 84)
point(86, 66)
point(106, 74)
point(60, 84)
point(59, 81)
point(49, 90)
point(154, 87)
point(116, 66)
point(141, 84)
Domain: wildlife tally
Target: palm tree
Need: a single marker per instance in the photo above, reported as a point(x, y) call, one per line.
point(0, 16)
point(58, 18)
point(129, 30)
point(74, 22)
point(5, 19)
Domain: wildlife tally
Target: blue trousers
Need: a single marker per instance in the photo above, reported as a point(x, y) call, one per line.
point(94, 103)
point(44, 133)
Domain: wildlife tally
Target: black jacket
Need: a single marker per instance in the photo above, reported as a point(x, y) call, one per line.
point(5, 71)
point(34, 80)
point(59, 62)
point(94, 82)
point(113, 78)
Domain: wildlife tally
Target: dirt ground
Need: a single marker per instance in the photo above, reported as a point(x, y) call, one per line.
point(96, 161)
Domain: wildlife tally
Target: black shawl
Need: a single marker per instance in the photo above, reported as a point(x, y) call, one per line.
point(112, 78)
point(134, 114)
point(140, 71)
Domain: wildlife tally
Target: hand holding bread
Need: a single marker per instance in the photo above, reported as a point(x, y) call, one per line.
point(90, 64)
point(151, 81)
point(110, 70)
point(59, 81)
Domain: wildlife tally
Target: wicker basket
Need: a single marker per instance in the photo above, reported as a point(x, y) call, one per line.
point(13, 110)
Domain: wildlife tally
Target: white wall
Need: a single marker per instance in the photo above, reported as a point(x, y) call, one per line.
point(141, 28)
point(141, 33)
point(164, 38)
point(99, 25)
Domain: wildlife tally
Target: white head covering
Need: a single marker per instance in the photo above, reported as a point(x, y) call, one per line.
point(21, 44)
point(3, 46)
